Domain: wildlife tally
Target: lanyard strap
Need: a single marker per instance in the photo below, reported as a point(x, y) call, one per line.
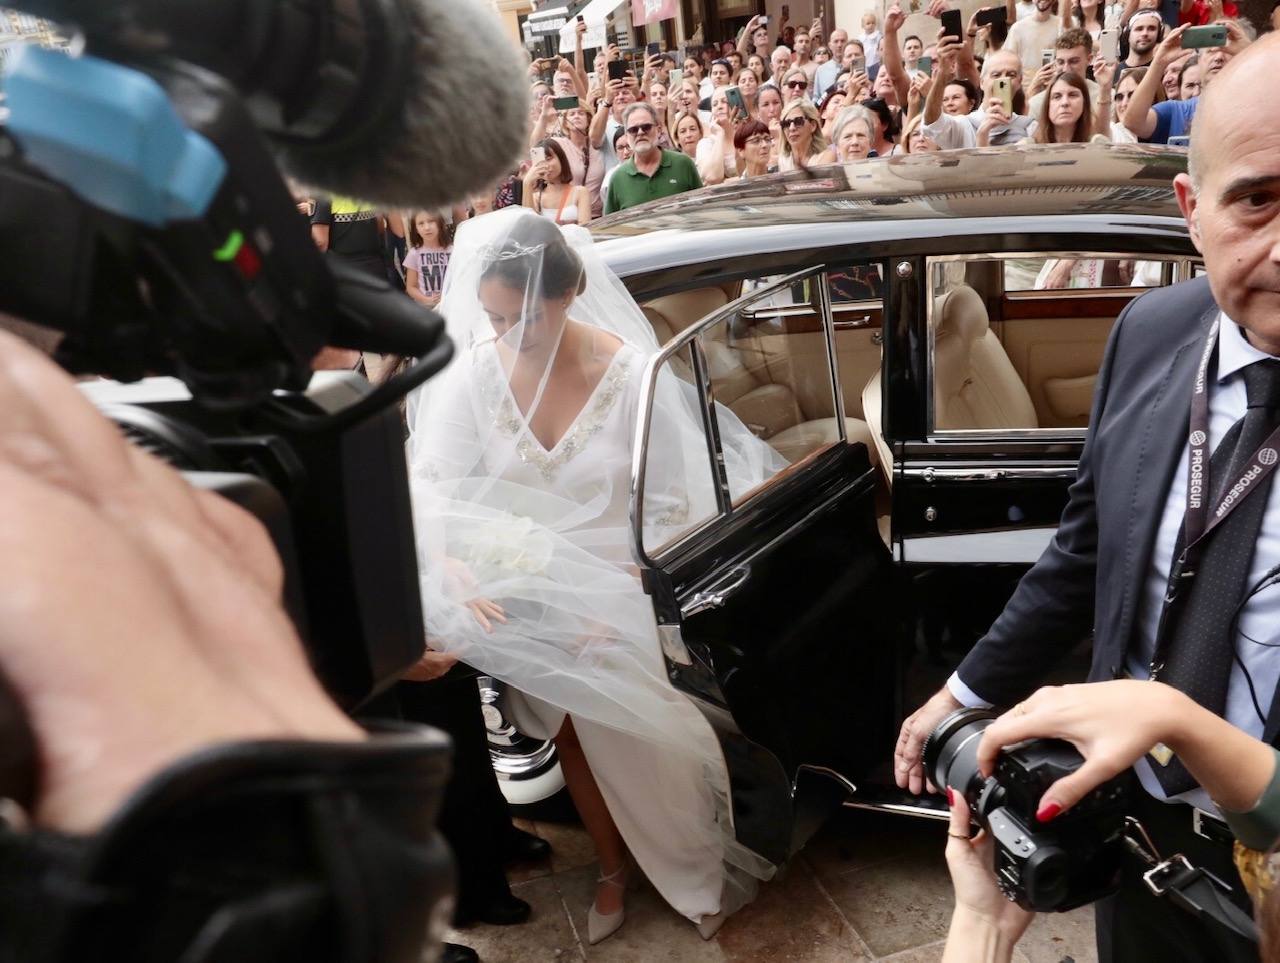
point(1200, 520)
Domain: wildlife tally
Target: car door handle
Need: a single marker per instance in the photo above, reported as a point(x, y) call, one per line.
point(716, 596)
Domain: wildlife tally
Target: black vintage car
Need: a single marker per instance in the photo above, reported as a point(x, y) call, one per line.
point(919, 337)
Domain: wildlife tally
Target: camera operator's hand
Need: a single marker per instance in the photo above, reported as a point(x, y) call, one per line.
point(140, 618)
point(908, 765)
point(1113, 724)
point(984, 925)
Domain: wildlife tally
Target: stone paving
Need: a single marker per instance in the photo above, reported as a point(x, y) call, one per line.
point(867, 888)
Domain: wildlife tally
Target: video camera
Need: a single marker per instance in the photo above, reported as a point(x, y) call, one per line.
point(142, 214)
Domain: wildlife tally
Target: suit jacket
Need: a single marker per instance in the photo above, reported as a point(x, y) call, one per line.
point(1090, 577)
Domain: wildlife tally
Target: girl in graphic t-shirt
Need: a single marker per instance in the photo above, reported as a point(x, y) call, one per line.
point(428, 257)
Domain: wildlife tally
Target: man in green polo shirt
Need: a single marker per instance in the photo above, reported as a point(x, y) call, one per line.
point(652, 172)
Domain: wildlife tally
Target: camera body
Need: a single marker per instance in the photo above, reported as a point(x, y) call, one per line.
point(1040, 866)
point(336, 504)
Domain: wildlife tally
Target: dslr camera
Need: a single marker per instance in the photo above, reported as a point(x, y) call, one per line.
point(1042, 867)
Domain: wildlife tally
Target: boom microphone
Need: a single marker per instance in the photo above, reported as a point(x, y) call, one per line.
point(365, 98)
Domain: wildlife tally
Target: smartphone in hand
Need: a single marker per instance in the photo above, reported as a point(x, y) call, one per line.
point(991, 16)
point(925, 65)
point(1109, 45)
point(1004, 93)
point(565, 103)
point(737, 105)
point(653, 49)
point(1214, 35)
point(618, 70)
point(952, 25)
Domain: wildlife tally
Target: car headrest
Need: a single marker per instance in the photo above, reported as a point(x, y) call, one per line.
point(961, 314)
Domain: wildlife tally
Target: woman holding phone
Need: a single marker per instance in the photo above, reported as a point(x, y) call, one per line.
point(714, 153)
point(549, 187)
point(749, 86)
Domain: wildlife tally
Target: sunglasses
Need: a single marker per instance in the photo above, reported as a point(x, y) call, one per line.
point(797, 84)
point(640, 129)
point(796, 122)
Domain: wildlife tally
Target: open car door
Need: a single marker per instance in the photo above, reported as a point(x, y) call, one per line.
point(775, 598)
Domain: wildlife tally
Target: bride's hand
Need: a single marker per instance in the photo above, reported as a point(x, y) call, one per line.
point(486, 612)
point(461, 584)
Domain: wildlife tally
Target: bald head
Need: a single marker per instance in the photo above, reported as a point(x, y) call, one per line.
point(1216, 117)
point(1232, 201)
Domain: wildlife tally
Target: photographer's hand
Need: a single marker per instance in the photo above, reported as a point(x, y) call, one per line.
point(141, 618)
point(1113, 724)
point(984, 925)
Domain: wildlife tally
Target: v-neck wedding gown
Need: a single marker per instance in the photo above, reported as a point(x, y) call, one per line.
point(545, 533)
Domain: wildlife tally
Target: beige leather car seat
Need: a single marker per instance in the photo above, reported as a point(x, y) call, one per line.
point(975, 384)
point(750, 379)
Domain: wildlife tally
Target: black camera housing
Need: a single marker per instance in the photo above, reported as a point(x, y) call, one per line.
point(336, 504)
point(1056, 866)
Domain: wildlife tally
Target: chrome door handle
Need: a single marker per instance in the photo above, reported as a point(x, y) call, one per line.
point(716, 596)
point(862, 322)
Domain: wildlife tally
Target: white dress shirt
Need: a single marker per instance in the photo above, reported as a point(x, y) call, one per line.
point(1260, 617)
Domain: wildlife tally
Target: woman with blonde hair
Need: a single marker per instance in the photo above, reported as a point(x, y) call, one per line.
point(803, 145)
point(914, 140)
point(687, 131)
point(794, 85)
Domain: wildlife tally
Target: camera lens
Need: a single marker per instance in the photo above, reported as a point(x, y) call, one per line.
point(951, 751)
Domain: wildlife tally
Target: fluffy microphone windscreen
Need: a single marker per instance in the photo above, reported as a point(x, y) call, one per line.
point(460, 123)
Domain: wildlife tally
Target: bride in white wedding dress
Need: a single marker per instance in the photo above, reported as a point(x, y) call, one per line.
point(520, 455)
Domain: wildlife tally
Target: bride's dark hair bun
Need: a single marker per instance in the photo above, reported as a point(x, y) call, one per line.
point(536, 250)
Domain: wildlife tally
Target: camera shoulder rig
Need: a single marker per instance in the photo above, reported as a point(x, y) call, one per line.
point(246, 852)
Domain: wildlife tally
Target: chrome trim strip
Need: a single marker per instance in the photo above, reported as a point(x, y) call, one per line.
point(1020, 546)
point(710, 426)
point(897, 809)
point(833, 362)
point(931, 474)
point(822, 771)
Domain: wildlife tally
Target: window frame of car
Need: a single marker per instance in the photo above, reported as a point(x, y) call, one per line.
point(661, 555)
point(1182, 269)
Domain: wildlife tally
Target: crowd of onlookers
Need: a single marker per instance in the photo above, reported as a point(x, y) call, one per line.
point(611, 129)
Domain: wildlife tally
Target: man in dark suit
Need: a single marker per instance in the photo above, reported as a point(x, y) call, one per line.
point(1173, 521)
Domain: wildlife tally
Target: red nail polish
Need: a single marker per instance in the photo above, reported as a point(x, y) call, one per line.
point(951, 798)
point(1048, 811)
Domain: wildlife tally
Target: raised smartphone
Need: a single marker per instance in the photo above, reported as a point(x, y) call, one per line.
point(1214, 35)
point(925, 66)
point(618, 70)
point(565, 103)
point(1004, 93)
point(736, 102)
point(952, 24)
point(1109, 45)
point(991, 16)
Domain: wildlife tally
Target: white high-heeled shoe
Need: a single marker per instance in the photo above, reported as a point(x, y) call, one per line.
point(710, 925)
point(601, 926)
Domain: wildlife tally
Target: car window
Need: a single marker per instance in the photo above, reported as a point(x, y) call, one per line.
point(1016, 343)
point(767, 371)
point(1058, 273)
